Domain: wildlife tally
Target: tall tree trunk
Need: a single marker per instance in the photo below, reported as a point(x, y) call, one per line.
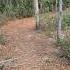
point(36, 9)
point(59, 19)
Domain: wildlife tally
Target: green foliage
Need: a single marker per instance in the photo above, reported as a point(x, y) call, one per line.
point(66, 3)
point(24, 8)
point(66, 18)
point(16, 8)
point(47, 5)
point(50, 5)
point(65, 47)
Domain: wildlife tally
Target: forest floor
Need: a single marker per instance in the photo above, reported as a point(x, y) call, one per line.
point(34, 50)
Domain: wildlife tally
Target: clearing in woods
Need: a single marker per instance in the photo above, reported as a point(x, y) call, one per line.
point(34, 50)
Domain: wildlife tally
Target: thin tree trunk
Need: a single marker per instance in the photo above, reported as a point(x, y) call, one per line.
point(36, 9)
point(59, 19)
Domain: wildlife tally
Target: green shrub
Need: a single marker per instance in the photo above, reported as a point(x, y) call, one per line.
point(16, 8)
point(65, 48)
point(66, 18)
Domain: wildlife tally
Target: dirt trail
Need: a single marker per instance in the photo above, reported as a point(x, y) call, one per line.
point(34, 50)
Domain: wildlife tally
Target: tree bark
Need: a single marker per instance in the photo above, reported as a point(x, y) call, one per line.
point(36, 9)
point(59, 18)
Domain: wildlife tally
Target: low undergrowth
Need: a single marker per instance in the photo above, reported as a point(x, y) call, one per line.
point(64, 45)
point(2, 39)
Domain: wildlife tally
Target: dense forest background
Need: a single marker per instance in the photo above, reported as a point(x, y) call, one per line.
point(24, 8)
